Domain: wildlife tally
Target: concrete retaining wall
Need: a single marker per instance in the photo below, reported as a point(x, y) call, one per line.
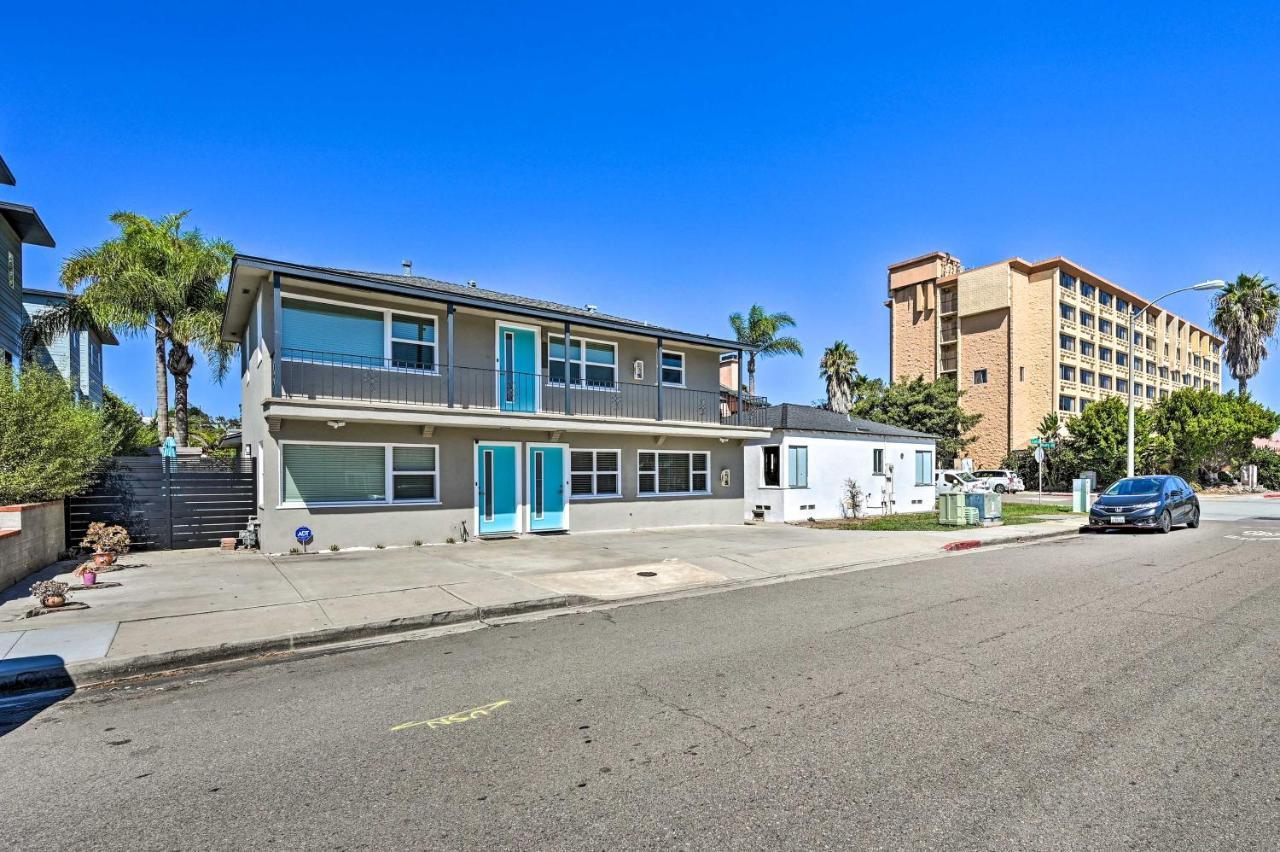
point(31, 537)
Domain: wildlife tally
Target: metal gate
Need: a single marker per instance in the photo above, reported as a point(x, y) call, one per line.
point(168, 503)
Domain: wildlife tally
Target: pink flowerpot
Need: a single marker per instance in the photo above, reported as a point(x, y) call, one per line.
point(89, 577)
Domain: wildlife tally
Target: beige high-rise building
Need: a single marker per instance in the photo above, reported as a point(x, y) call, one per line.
point(1023, 339)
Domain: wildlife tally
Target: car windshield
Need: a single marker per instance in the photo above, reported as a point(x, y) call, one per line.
point(1140, 486)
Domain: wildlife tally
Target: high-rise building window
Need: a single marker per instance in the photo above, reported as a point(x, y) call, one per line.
point(1066, 403)
point(979, 377)
point(1067, 342)
point(1068, 312)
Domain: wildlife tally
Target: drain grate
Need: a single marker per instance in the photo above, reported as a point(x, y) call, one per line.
point(646, 573)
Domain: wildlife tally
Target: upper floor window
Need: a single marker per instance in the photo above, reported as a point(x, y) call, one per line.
point(413, 342)
point(673, 368)
point(1122, 333)
point(1087, 290)
point(1067, 342)
point(1121, 359)
point(1122, 385)
point(1121, 304)
point(330, 331)
point(1137, 364)
point(1104, 326)
point(1137, 339)
point(1068, 312)
point(1104, 381)
point(1086, 319)
point(1104, 298)
point(591, 363)
point(1086, 348)
point(980, 377)
point(1066, 403)
point(1151, 391)
point(1086, 377)
point(1068, 281)
point(1104, 354)
point(1068, 373)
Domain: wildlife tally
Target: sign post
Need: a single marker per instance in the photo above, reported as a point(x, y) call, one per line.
point(304, 537)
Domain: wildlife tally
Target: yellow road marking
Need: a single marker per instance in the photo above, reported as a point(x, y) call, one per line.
point(454, 718)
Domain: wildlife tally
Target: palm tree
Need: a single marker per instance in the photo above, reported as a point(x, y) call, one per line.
point(154, 277)
point(758, 332)
point(1245, 314)
point(839, 368)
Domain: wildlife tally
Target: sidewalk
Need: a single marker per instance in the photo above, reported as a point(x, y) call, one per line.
point(175, 608)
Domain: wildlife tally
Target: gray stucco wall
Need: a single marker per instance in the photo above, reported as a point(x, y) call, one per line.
point(390, 524)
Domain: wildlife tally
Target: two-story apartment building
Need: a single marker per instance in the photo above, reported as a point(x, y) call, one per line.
point(74, 355)
point(1023, 339)
point(388, 409)
point(19, 225)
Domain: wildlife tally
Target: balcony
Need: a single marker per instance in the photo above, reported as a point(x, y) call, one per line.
point(313, 375)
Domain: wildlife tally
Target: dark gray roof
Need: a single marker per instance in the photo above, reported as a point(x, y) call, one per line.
point(6, 176)
point(806, 418)
point(464, 293)
point(26, 224)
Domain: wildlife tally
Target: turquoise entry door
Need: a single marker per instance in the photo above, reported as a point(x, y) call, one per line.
point(497, 488)
point(517, 369)
point(547, 499)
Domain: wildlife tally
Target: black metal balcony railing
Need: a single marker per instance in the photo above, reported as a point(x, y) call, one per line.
point(306, 374)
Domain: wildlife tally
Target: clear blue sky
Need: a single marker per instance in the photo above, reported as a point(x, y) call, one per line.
point(663, 162)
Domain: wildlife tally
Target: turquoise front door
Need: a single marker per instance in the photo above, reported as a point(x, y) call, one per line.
point(517, 368)
point(497, 488)
point(547, 475)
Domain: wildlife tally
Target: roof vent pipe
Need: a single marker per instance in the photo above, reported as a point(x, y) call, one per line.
point(407, 265)
point(591, 309)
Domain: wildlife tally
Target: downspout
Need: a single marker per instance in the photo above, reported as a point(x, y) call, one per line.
point(1009, 372)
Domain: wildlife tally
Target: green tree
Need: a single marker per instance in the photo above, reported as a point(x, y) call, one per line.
point(154, 277)
point(127, 432)
point(208, 431)
point(1245, 314)
point(1268, 462)
point(50, 447)
point(1098, 440)
point(1209, 431)
point(931, 407)
point(758, 331)
point(839, 369)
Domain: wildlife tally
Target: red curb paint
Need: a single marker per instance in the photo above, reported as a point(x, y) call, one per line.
point(1274, 495)
point(967, 544)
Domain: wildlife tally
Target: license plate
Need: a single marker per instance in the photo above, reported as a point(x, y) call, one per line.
point(1117, 519)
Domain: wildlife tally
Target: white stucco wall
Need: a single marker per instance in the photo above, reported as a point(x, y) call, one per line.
point(833, 458)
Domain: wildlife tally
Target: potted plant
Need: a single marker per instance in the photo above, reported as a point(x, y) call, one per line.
point(105, 541)
point(87, 572)
point(51, 593)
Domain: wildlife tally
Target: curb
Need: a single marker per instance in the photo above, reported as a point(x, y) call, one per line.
point(966, 544)
point(91, 673)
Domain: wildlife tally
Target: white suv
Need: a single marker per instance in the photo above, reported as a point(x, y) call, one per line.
point(1001, 480)
point(959, 480)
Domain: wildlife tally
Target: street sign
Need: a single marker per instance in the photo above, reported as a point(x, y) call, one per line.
point(1040, 442)
point(1040, 454)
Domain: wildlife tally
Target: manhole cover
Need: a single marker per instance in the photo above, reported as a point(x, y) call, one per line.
point(646, 573)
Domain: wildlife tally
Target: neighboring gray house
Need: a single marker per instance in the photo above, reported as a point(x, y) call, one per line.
point(388, 409)
point(19, 225)
point(76, 356)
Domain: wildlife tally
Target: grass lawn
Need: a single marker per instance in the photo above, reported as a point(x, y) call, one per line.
point(1014, 513)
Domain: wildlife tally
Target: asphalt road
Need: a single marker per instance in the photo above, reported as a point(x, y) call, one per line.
point(1106, 691)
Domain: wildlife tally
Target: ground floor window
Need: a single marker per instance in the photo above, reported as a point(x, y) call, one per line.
point(320, 474)
point(772, 467)
point(877, 462)
point(595, 473)
point(673, 472)
point(798, 467)
point(924, 467)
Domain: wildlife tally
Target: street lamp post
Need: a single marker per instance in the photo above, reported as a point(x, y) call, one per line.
point(1214, 284)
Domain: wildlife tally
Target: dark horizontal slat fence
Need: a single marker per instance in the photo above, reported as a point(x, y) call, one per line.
point(168, 503)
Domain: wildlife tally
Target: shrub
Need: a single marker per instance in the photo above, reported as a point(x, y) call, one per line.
point(46, 588)
point(1268, 462)
point(851, 504)
point(104, 538)
point(49, 446)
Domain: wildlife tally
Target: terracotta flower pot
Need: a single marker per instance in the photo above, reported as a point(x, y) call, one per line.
point(104, 559)
point(53, 601)
point(89, 577)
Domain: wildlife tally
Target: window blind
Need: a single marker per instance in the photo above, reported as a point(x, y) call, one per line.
point(324, 473)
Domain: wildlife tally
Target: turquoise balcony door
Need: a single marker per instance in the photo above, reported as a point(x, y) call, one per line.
point(547, 487)
point(518, 380)
point(497, 488)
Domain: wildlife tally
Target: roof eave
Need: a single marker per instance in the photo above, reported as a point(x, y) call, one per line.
point(26, 223)
point(6, 176)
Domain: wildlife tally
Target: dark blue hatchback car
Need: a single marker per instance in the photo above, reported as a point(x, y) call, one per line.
point(1153, 502)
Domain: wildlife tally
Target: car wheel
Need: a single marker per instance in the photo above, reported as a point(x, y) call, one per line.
point(1000, 489)
point(1194, 520)
point(1166, 521)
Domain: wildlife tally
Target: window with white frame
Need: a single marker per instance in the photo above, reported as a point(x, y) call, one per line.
point(344, 473)
point(673, 368)
point(924, 467)
point(413, 342)
point(673, 472)
point(595, 473)
point(877, 462)
point(798, 467)
point(589, 363)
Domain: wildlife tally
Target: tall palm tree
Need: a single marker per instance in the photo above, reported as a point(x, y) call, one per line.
point(154, 277)
point(839, 368)
point(758, 331)
point(1245, 314)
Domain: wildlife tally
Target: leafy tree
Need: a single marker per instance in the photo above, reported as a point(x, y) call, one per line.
point(1098, 440)
point(153, 277)
point(1208, 431)
point(208, 431)
point(759, 331)
point(49, 445)
point(1245, 314)
point(1050, 427)
point(1268, 462)
point(931, 407)
point(839, 369)
point(127, 432)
